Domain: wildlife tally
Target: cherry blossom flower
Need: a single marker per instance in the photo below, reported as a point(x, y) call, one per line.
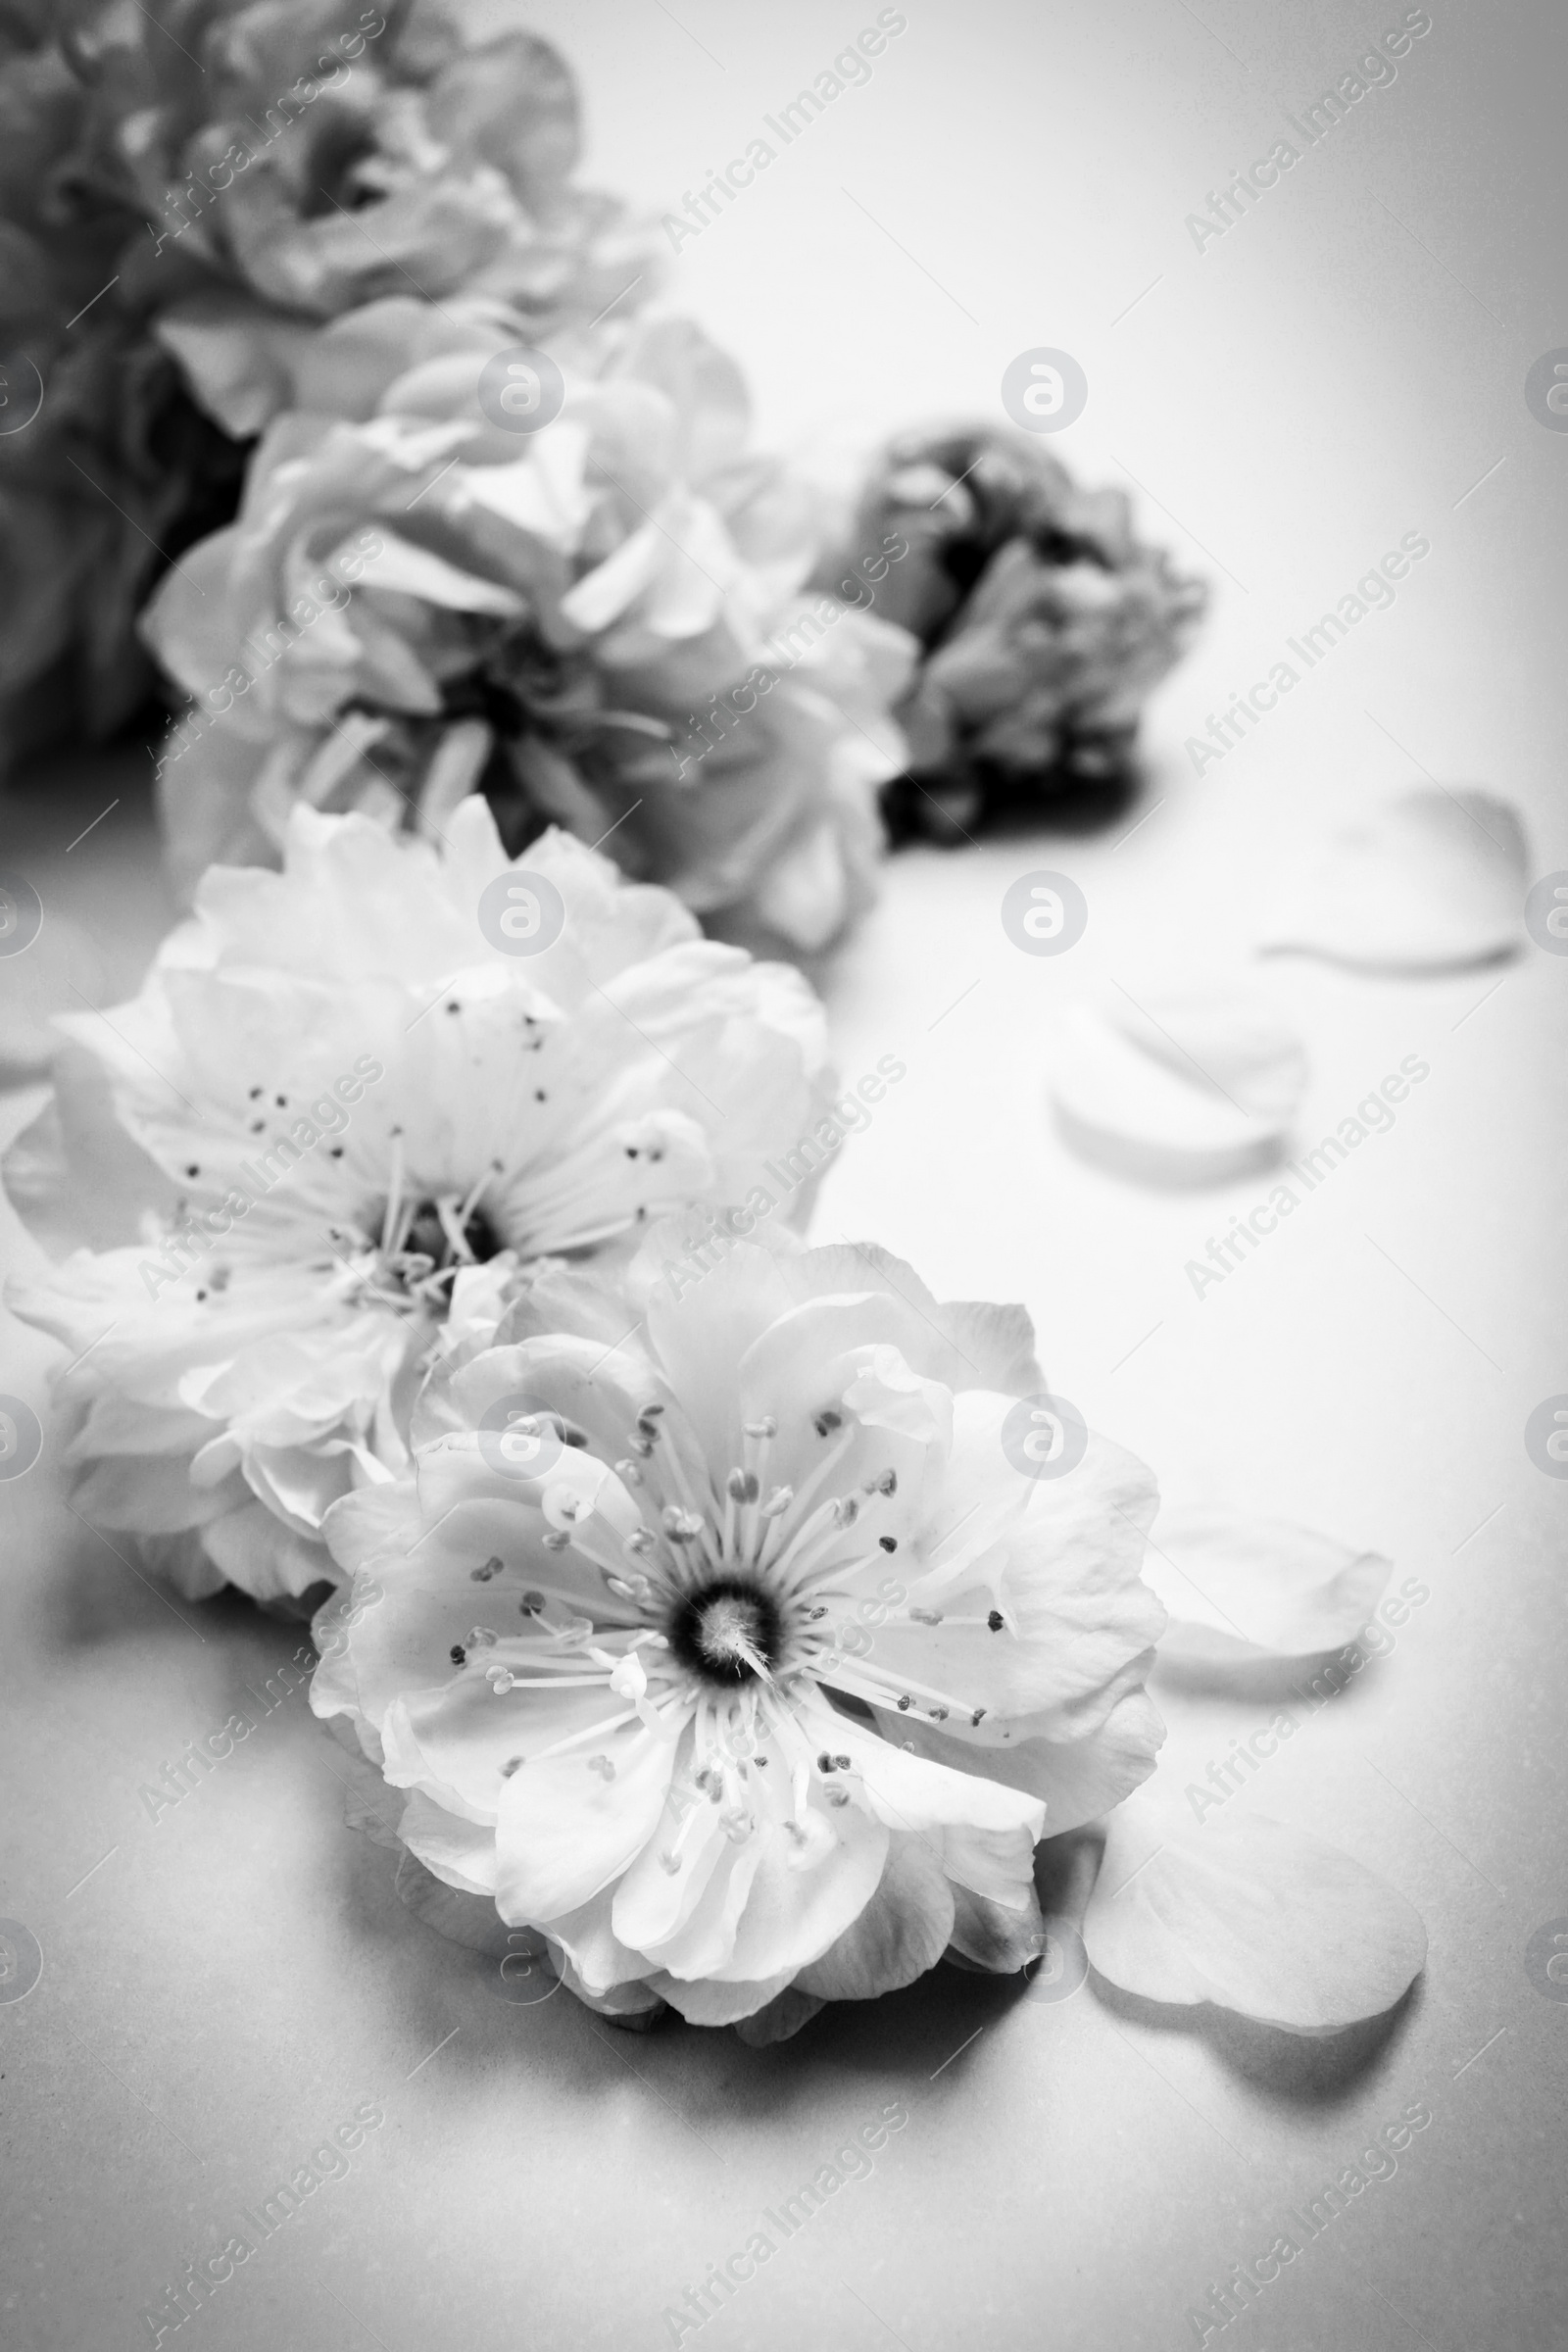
point(193, 202)
point(346, 1106)
point(1044, 623)
point(725, 1647)
point(427, 601)
point(730, 1651)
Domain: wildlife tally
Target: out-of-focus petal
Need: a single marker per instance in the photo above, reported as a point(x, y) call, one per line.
point(1432, 880)
point(1194, 1086)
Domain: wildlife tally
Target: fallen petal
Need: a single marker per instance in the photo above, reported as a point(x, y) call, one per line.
point(1431, 880)
point(1238, 1588)
point(1250, 1914)
point(1187, 1087)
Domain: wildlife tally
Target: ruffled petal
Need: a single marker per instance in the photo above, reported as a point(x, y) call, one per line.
point(903, 1930)
point(563, 1832)
point(1077, 1779)
point(992, 1935)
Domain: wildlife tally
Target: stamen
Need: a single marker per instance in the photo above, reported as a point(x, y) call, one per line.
point(394, 1198)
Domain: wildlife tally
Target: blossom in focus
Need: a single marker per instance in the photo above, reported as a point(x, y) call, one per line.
point(727, 1648)
point(314, 1151)
point(427, 603)
point(1044, 623)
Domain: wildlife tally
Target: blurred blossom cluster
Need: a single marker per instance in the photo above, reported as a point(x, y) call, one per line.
point(1044, 623)
point(533, 615)
point(186, 205)
point(264, 258)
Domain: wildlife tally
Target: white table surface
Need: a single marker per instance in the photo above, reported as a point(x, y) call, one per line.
point(229, 1982)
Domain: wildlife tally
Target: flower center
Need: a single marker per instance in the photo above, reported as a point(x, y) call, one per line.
point(427, 1236)
point(424, 1243)
point(728, 1632)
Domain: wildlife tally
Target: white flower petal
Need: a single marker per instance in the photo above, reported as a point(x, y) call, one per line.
point(995, 1936)
point(778, 2019)
point(793, 1914)
point(718, 2001)
point(1240, 1587)
point(452, 1881)
point(903, 1930)
point(1189, 1086)
point(563, 1832)
point(1254, 1915)
point(1429, 880)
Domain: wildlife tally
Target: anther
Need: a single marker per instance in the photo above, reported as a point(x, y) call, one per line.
point(743, 1486)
